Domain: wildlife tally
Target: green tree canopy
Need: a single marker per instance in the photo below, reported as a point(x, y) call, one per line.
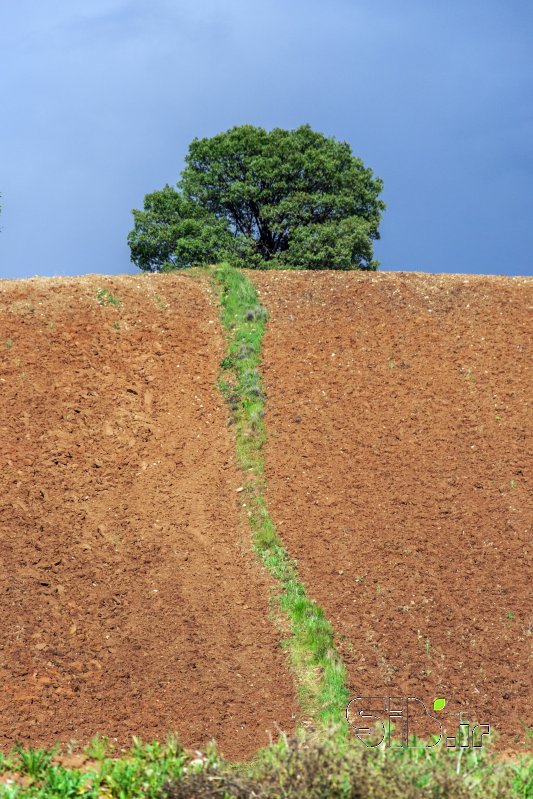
point(265, 199)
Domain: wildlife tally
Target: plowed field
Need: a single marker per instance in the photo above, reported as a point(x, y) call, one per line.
point(130, 602)
point(399, 473)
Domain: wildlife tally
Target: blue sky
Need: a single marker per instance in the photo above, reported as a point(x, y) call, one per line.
point(101, 98)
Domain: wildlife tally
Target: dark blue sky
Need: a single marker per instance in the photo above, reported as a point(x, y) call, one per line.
point(100, 99)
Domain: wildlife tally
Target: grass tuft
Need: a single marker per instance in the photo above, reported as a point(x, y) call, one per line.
point(104, 297)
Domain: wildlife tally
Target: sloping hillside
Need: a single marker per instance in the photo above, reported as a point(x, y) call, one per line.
point(130, 601)
point(398, 472)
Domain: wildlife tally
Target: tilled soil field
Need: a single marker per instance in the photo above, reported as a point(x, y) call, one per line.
point(130, 602)
point(399, 474)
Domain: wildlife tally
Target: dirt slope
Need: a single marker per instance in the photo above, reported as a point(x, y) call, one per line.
point(129, 604)
point(399, 473)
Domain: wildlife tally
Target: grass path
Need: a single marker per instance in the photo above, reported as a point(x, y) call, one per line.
point(320, 673)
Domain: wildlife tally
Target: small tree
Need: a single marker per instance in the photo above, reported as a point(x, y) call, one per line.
point(267, 199)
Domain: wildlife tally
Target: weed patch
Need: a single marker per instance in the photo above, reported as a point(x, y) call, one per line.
point(141, 772)
point(104, 297)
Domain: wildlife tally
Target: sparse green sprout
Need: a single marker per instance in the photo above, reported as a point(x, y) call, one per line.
point(105, 297)
point(9, 343)
point(512, 483)
point(161, 304)
point(98, 747)
point(509, 616)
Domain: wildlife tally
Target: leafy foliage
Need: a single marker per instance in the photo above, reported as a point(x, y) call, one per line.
point(284, 198)
point(333, 245)
point(173, 232)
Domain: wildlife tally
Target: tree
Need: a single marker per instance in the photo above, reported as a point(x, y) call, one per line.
point(281, 198)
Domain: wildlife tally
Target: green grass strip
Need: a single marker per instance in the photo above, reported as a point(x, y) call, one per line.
point(320, 672)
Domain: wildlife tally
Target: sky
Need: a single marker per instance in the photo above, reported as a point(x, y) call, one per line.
point(101, 99)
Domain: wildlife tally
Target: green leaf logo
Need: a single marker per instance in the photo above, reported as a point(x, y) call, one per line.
point(438, 704)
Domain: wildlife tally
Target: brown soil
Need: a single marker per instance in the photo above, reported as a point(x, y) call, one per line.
point(399, 474)
point(130, 601)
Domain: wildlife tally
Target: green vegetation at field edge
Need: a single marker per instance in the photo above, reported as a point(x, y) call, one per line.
point(320, 765)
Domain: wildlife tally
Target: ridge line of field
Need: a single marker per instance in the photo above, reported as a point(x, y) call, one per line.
point(319, 670)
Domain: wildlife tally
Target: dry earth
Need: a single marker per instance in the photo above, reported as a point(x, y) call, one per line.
point(398, 469)
point(130, 602)
point(399, 473)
